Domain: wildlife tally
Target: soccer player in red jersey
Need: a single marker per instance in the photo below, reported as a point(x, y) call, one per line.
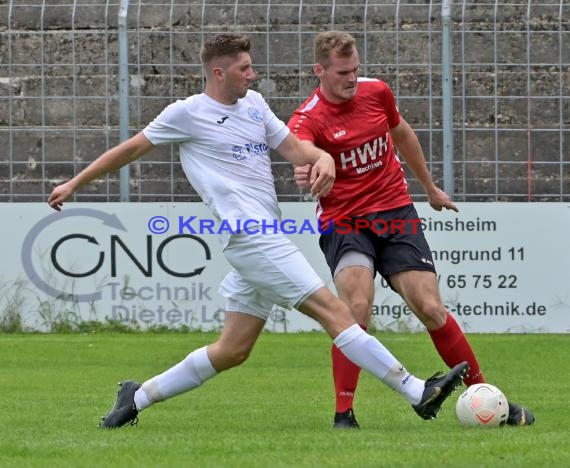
point(357, 121)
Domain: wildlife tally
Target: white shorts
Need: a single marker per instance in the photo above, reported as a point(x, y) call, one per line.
point(268, 269)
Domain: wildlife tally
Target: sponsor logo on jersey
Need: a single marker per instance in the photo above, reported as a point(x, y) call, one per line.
point(222, 120)
point(250, 149)
point(256, 149)
point(254, 114)
point(339, 134)
point(238, 152)
point(365, 157)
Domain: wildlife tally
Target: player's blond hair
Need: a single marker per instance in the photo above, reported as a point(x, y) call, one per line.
point(339, 42)
point(224, 45)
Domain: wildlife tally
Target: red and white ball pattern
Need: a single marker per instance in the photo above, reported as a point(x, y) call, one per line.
point(482, 405)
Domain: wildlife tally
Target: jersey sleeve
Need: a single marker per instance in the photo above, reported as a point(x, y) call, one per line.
point(392, 111)
point(169, 125)
point(301, 125)
point(275, 129)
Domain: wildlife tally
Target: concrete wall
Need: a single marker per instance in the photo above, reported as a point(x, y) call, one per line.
point(58, 87)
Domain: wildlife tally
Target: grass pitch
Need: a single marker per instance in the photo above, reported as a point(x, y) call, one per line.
point(275, 410)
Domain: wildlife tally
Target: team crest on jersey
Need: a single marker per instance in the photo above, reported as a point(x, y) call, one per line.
point(238, 152)
point(252, 111)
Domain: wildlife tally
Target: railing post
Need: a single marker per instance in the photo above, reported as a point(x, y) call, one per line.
point(447, 98)
point(124, 173)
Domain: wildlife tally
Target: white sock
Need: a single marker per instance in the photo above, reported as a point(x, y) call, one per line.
point(192, 372)
point(367, 352)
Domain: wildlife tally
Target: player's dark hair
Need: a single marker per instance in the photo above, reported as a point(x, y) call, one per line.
point(339, 42)
point(224, 45)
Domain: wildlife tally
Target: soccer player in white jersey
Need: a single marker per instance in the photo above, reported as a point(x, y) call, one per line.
point(225, 134)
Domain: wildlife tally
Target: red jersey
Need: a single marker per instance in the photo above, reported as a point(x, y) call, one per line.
point(369, 176)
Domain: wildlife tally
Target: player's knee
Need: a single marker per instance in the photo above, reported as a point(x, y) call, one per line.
point(433, 314)
point(227, 356)
point(361, 308)
point(239, 357)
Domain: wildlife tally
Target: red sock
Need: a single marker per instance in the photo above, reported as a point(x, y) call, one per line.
point(453, 347)
point(345, 376)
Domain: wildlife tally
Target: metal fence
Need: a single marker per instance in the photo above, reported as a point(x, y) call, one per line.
point(60, 76)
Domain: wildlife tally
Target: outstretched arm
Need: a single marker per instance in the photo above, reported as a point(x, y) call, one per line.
point(409, 147)
point(109, 161)
point(299, 153)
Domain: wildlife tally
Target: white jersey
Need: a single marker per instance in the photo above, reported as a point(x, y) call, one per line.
point(224, 151)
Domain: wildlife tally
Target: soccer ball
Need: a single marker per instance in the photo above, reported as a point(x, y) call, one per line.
point(482, 405)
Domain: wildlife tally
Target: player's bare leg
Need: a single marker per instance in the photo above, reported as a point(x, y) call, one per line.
point(355, 286)
point(232, 348)
point(420, 291)
point(368, 353)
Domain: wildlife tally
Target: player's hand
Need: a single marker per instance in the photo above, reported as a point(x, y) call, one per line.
point(302, 174)
point(322, 176)
point(438, 200)
point(59, 194)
